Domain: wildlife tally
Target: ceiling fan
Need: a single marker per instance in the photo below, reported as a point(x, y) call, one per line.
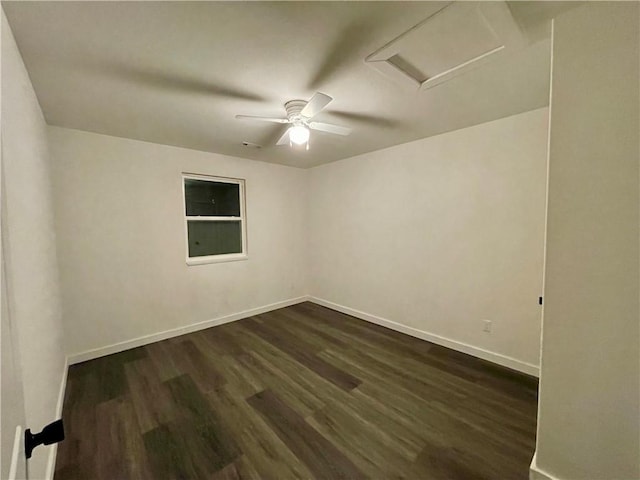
point(299, 116)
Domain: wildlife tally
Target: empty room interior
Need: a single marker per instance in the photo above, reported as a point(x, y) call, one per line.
point(320, 240)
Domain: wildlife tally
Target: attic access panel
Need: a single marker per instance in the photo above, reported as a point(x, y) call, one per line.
point(455, 39)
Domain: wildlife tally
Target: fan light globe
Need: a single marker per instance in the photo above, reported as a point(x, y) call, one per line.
point(299, 134)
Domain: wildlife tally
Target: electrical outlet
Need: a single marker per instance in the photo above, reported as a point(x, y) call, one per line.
point(487, 326)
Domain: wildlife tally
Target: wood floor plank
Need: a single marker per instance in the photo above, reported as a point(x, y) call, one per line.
point(263, 450)
point(448, 360)
point(149, 396)
point(323, 458)
point(202, 370)
point(167, 364)
point(437, 385)
point(328, 393)
point(404, 346)
point(230, 472)
point(235, 374)
point(241, 469)
point(301, 392)
point(302, 352)
point(391, 357)
point(442, 430)
point(194, 445)
point(371, 447)
point(221, 341)
point(393, 341)
point(444, 463)
point(269, 326)
point(282, 374)
point(366, 419)
point(79, 415)
point(462, 394)
point(192, 408)
point(299, 324)
point(171, 453)
point(418, 405)
point(121, 453)
point(304, 401)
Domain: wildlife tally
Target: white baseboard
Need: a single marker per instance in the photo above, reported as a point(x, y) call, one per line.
point(18, 449)
point(53, 449)
point(174, 332)
point(536, 473)
point(498, 358)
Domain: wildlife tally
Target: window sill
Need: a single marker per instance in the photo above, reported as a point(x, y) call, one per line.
point(232, 257)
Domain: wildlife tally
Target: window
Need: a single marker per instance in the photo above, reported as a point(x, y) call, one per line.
point(214, 219)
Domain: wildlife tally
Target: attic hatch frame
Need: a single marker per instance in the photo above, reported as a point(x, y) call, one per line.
point(494, 16)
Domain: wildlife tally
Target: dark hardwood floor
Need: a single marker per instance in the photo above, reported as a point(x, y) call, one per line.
point(301, 392)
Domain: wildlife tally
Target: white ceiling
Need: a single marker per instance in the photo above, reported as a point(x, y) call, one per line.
point(176, 73)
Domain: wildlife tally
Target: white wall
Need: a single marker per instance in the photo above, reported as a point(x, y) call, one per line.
point(29, 247)
point(588, 423)
point(439, 234)
point(121, 238)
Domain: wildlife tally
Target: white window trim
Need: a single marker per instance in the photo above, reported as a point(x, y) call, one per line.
point(228, 257)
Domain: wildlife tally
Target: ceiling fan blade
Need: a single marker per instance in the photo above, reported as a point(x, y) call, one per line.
point(262, 119)
point(329, 128)
point(315, 105)
point(284, 139)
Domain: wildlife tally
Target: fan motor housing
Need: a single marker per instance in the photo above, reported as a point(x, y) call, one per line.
point(293, 108)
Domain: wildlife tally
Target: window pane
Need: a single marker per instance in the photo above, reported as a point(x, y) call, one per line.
point(214, 238)
point(211, 199)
